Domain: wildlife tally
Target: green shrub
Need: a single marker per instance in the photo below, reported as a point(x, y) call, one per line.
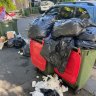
point(8, 4)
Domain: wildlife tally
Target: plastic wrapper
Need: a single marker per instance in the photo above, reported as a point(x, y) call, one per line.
point(86, 44)
point(70, 27)
point(89, 34)
point(41, 28)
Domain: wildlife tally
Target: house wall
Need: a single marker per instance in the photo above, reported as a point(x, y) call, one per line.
point(21, 4)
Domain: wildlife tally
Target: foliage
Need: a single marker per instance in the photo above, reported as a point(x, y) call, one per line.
point(8, 4)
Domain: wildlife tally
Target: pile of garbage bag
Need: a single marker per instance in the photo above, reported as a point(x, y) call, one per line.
point(66, 35)
point(40, 29)
point(54, 51)
point(70, 27)
point(89, 34)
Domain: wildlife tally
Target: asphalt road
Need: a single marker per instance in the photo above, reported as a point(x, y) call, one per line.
point(17, 73)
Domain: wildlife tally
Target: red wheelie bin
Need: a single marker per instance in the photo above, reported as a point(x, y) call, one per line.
point(37, 60)
point(77, 71)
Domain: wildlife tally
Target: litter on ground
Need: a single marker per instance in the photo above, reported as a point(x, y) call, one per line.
point(49, 82)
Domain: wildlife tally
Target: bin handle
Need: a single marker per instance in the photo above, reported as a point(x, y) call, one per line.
point(42, 42)
point(77, 50)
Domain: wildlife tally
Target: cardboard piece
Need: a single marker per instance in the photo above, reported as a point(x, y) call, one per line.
point(2, 41)
point(2, 44)
point(10, 34)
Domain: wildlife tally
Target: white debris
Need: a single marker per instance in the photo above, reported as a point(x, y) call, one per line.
point(36, 93)
point(33, 83)
point(18, 52)
point(50, 82)
point(21, 53)
point(37, 76)
point(40, 85)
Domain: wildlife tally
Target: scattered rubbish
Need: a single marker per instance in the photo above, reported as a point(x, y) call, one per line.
point(2, 39)
point(2, 42)
point(25, 51)
point(36, 93)
point(14, 40)
point(19, 42)
point(49, 85)
point(37, 76)
point(33, 83)
point(1, 46)
point(21, 53)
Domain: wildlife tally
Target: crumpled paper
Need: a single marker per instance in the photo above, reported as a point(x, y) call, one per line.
point(49, 82)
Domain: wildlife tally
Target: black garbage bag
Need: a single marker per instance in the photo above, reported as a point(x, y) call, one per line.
point(57, 52)
point(19, 42)
point(70, 27)
point(86, 22)
point(62, 51)
point(10, 42)
point(55, 59)
point(89, 34)
point(49, 92)
point(86, 44)
point(48, 48)
point(40, 29)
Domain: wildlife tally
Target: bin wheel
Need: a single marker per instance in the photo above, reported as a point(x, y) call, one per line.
point(77, 91)
point(37, 70)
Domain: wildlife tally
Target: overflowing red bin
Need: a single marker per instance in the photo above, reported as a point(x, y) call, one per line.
point(37, 60)
point(73, 66)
